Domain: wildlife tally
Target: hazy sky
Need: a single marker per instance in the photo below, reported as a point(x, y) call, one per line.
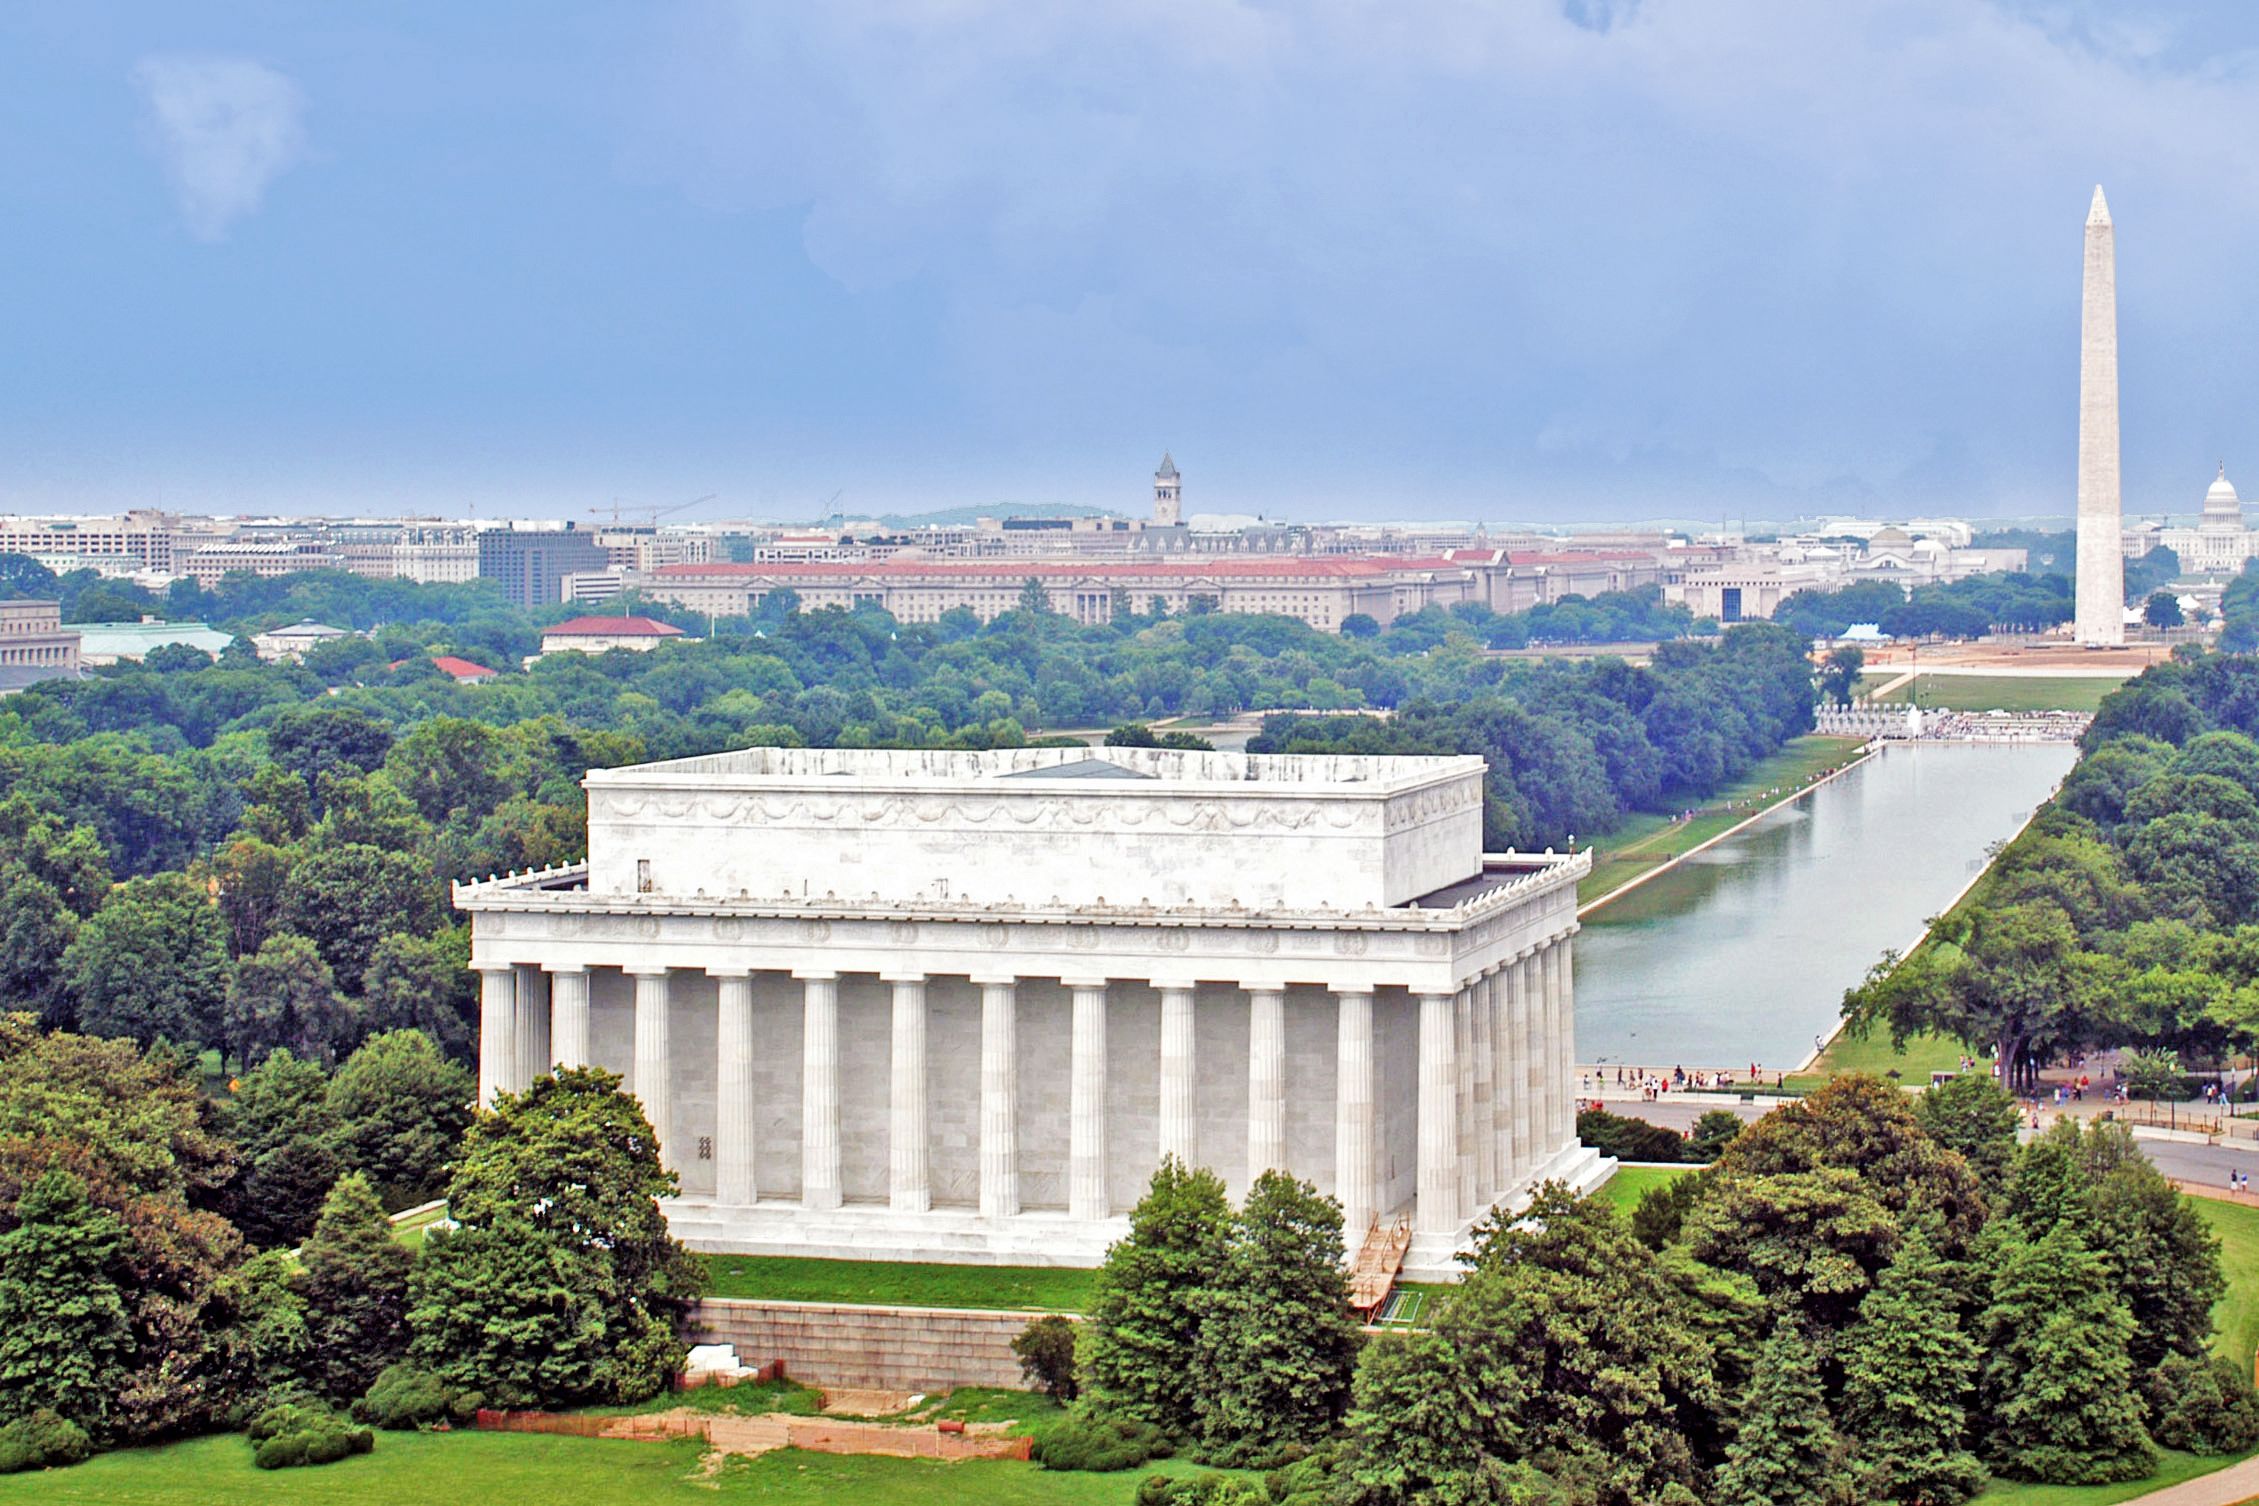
point(1562, 258)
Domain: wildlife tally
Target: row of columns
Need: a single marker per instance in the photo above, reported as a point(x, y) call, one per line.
point(1494, 1069)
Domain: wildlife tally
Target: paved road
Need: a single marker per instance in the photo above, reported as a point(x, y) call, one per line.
point(2204, 1164)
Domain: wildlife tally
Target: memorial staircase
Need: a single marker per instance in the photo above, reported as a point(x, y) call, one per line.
point(1379, 1260)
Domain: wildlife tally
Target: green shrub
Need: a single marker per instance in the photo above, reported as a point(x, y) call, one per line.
point(296, 1433)
point(1629, 1139)
point(406, 1396)
point(1046, 1348)
point(2204, 1406)
point(42, 1440)
point(1312, 1471)
point(1155, 1490)
point(1101, 1443)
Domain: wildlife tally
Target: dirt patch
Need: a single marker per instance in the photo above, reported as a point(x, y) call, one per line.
point(865, 1401)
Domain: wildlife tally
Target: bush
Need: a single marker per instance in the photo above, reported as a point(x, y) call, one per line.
point(2204, 1406)
point(1713, 1132)
point(1209, 1489)
point(1629, 1139)
point(406, 1396)
point(42, 1440)
point(297, 1433)
point(1101, 1443)
point(1046, 1349)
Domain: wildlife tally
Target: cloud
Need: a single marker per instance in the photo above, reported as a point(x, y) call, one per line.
point(226, 128)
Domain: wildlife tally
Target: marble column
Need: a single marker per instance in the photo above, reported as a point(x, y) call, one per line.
point(909, 1189)
point(1505, 1056)
point(651, 1083)
point(497, 1032)
point(1565, 1037)
point(1179, 1121)
point(1530, 1122)
point(819, 1092)
point(1439, 1115)
point(1086, 1101)
point(1353, 1114)
point(1463, 1095)
point(999, 1098)
point(568, 1012)
point(533, 1025)
point(1266, 1081)
point(734, 1146)
point(1549, 963)
point(1482, 1152)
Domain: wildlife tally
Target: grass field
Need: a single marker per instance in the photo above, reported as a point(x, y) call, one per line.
point(1923, 1055)
point(1647, 841)
point(1630, 1183)
point(528, 1469)
point(889, 1283)
point(2007, 692)
point(2237, 1316)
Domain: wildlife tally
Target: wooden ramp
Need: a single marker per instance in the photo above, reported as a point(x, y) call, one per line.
point(1378, 1261)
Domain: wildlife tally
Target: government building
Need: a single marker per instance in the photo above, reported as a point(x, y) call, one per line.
point(956, 1006)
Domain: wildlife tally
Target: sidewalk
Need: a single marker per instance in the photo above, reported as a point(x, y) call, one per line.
point(2233, 1486)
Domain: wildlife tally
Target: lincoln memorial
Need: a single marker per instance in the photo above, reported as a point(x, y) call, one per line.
point(956, 1006)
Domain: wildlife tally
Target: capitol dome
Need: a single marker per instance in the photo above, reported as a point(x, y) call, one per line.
point(2223, 510)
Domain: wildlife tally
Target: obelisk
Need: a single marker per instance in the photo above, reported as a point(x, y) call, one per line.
point(2100, 619)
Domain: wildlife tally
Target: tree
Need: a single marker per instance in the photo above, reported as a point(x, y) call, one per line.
point(2162, 610)
point(286, 998)
point(1146, 1317)
point(1713, 1132)
point(36, 928)
point(400, 1110)
point(1839, 674)
point(1812, 1240)
point(2059, 1401)
point(1909, 1373)
point(1278, 1345)
point(1046, 1351)
point(1359, 625)
point(280, 1119)
point(1974, 1115)
point(1034, 599)
point(561, 1286)
point(1786, 1449)
point(151, 964)
point(424, 983)
point(64, 1339)
point(354, 1282)
point(346, 899)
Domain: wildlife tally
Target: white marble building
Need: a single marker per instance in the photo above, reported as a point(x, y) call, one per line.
point(956, 1006)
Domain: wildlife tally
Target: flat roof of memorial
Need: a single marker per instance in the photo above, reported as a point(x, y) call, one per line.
point(1348, 774)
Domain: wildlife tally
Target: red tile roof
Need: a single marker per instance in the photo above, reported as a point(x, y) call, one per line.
point(611, 627)
point(462, 669)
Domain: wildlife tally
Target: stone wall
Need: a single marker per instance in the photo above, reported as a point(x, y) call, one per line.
point(890, 1348)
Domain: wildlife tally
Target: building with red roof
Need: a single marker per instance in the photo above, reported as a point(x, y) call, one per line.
point(597, 635)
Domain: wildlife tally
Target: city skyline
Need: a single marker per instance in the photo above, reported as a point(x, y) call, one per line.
point(1589, 262)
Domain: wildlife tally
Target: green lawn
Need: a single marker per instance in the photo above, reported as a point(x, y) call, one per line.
point(2176, 1468)
point(2009, 692)
point(411, 1232)
point(2237, 1316)
point(1923, 1055)
point(892, 1283)
point(1630, 1183)
point(528, 1469)
point(1647, 841)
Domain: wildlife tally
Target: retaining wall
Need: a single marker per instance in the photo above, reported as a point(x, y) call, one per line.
point(888, 1348)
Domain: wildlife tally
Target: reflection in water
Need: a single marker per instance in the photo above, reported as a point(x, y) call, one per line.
point(1743, 953)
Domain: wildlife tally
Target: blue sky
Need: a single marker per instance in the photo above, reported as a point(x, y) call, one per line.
point(1576, 259)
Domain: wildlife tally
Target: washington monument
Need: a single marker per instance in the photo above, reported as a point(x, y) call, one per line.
point(2101, 617)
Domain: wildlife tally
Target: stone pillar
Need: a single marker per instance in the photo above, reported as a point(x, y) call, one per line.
point(1463, 1095)
point(533, 1025)
point(1179, 1122)
point(999, 1098)
point(819, 1090)
point(1086, 1100)
point(1549, 996)
point(1565, 1037)
point(568, 1010)
point(1439, 1116)
point(909, 1188)
point(734, 1145)
point(1482, 1152)
point(1530, 1122)
point(1353, 1115)
point(1505, 1053)
point(497, 1032)
point(651, 1083)
point(1266, 1081)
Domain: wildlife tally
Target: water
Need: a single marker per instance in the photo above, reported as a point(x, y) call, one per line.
point(1742, 954)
